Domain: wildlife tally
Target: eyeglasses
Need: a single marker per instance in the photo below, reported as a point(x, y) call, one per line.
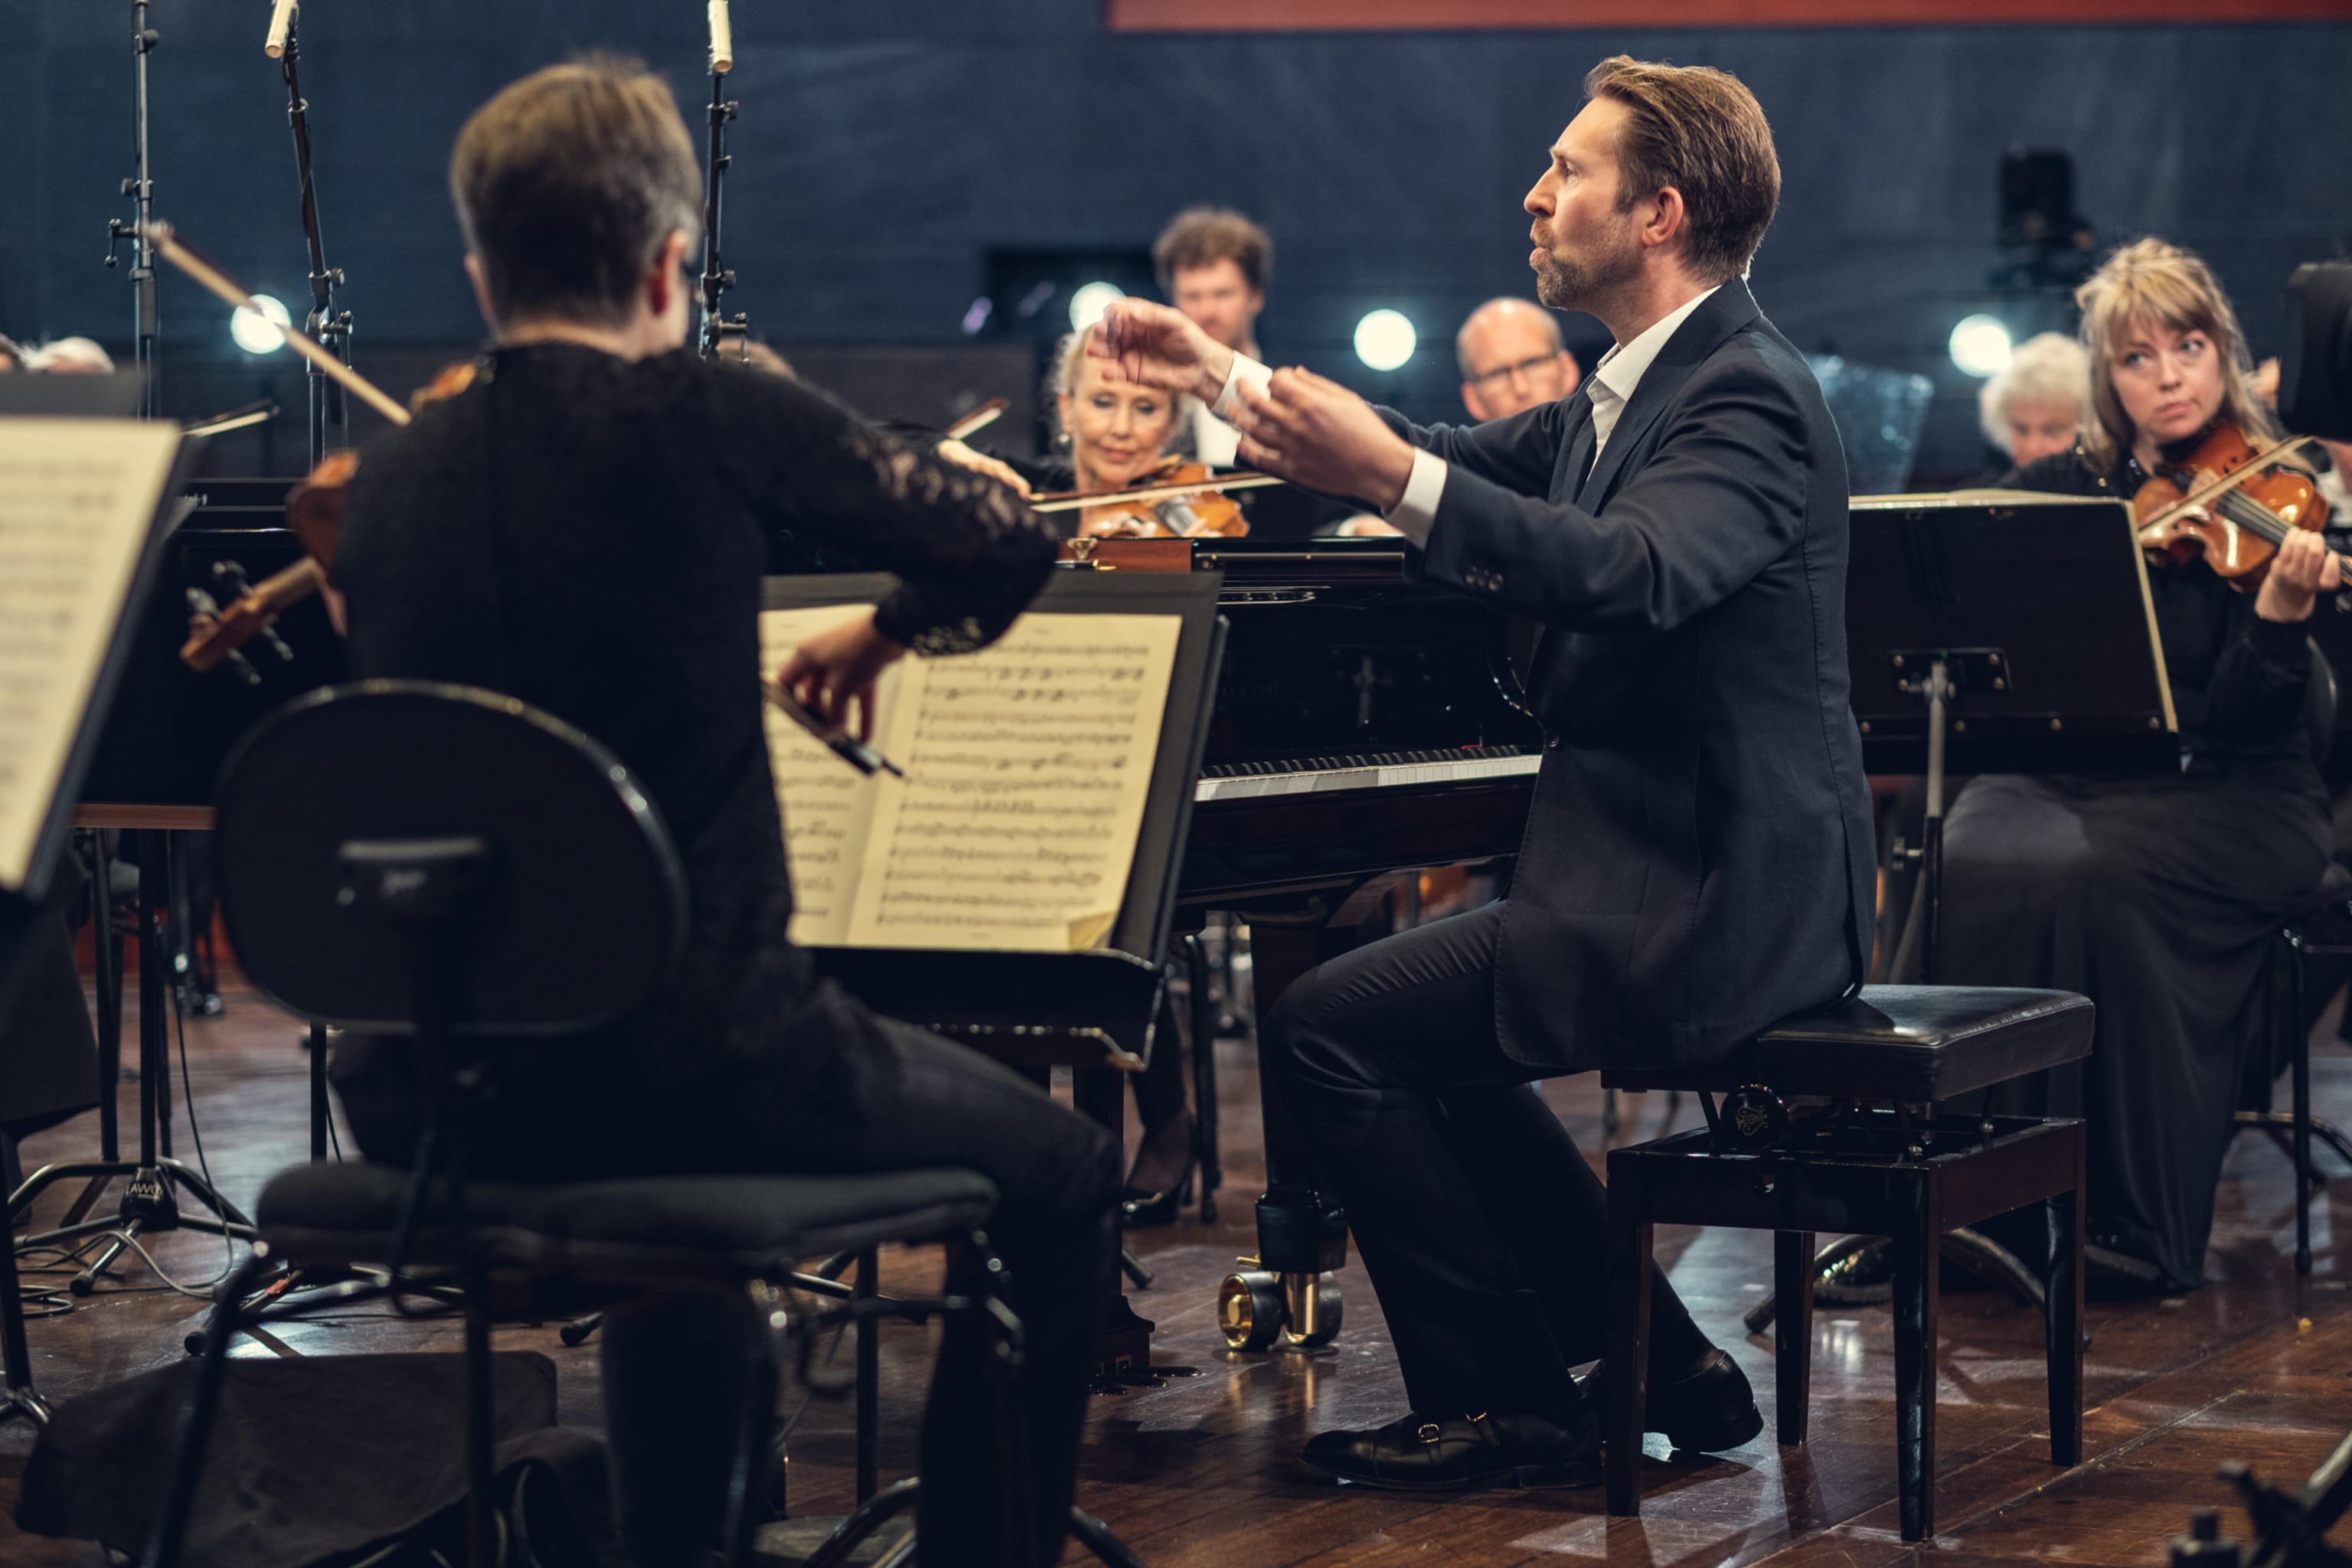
point(1501, 373)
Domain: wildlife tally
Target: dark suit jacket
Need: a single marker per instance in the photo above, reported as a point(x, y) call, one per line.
point(1699, 861)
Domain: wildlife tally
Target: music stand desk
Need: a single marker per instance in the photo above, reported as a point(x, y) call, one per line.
point(2001, 632)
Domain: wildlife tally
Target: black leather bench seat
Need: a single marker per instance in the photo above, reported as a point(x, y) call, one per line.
point(1911, 1043)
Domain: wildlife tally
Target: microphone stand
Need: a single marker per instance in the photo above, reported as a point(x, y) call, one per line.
point(140, 188)
point(328, 408)
point(718, 330)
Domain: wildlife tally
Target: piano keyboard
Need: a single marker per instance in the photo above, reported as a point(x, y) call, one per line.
point(1392, 770)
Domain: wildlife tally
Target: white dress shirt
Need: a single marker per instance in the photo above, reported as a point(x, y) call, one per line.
point(1610, 387)
point(1214, 442)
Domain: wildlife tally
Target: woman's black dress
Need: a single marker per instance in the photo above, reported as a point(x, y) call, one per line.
point(2158, 897)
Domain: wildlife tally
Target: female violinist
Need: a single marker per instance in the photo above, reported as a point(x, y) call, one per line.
point(2159, 896)
point(1112, 438)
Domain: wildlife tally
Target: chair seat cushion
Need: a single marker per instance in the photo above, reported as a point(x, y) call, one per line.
point(623, 1228)
point(1911, 1043)
point(2325, 918)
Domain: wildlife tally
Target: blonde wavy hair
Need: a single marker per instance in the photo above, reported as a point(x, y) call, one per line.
point(2151, 280)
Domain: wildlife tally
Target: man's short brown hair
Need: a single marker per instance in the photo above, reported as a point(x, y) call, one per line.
point(1702, 131)
point(568, 182)
point(1203, 237)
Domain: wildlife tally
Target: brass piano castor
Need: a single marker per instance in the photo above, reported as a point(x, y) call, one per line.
point(1249, 1310)
point(1310, 1303)
point(1256, 1307)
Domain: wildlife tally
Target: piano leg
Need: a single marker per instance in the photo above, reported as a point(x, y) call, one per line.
point(1123, 1350)
point(1288, 1292)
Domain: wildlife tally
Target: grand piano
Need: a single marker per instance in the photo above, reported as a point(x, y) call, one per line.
point(1366, 728)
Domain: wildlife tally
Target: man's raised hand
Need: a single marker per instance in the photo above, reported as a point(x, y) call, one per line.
point(1152, 345)
point(1319, 434)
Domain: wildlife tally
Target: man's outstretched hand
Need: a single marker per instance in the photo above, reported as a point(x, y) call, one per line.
point(1152, 345)
point(1319, 434)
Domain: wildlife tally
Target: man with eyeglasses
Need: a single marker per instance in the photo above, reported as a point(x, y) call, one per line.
point(1512, 359)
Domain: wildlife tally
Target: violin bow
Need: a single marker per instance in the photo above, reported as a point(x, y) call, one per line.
point(1070, 500)
point(977, 420)
point(180, 255)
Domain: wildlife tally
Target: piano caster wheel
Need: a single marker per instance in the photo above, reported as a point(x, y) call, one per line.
point(1249, 1310)
point(1310, 1305)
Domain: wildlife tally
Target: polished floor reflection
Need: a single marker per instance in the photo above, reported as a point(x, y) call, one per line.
point(1201, 1471)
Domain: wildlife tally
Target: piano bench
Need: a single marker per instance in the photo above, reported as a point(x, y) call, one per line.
point(1878, 1159)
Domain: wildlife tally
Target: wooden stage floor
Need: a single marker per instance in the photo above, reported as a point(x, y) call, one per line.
point(2257, 1365)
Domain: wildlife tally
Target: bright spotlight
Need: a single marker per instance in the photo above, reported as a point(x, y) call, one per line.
point(1980, 345)
point(1089, 303)
point(259, 334)
point(1385, 340)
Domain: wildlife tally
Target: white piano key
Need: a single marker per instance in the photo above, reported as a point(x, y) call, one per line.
point(1331, 781)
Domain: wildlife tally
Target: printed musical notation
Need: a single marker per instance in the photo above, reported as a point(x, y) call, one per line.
point(1027, 768)
point(76, 498)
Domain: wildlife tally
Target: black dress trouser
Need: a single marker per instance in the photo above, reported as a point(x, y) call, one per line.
point(1479, 1221)
point(678, 1371)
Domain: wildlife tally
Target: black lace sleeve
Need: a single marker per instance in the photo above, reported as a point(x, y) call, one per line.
point(969, 556)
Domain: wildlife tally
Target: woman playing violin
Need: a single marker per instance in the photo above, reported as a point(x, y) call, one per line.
point(2158, 896)
point(1113, 438)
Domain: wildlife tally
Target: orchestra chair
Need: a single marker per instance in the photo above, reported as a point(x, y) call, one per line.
point(1866, 1152)
point(2322, 929)
point(443, 863)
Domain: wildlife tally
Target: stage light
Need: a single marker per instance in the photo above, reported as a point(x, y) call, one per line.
point(1385, 340)
point(1090, 301)
point(259, 334)
point(1980, 345)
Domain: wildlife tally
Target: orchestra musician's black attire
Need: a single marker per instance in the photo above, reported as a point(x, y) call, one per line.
point(587, 534)
point(1697, 860)
point(2157, 896)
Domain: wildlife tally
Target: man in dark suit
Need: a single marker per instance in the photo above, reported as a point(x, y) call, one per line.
point(1697, 861)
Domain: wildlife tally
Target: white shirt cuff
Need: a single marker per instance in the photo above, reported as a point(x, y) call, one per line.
point(1244, 369)
point(1423, 488)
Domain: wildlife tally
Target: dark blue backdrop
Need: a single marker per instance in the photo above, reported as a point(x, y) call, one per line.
point(886, 146)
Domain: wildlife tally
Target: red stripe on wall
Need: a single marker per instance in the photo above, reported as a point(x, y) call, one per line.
point(1472, 16)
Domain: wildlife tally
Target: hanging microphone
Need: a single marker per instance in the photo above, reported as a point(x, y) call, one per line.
point(281, 15)
point(722, 38)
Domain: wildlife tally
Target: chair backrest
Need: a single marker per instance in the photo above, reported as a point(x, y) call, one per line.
point(580, 912)
point(2320, 697)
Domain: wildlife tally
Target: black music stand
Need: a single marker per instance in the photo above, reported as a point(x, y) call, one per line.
point(1092, 1011)
point(22, 907)
point(1994, 631)
point(2001, 632)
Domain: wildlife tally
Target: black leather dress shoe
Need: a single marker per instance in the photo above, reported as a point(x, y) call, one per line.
point(1507, 1448)
point(1707, 1411)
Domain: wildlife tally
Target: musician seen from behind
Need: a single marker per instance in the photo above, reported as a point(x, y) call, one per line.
point(1512, 359)
point(2157, 895)
point(611, 491)
point(2034, 406)
point(1697, 862)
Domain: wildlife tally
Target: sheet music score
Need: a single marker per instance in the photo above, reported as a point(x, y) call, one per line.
point(1027, 769)
point(77, 500)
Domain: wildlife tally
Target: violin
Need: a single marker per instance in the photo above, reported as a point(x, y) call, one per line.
point(314, 512)
point(2228, 502)
point(1174, 499)
point(314, 508)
